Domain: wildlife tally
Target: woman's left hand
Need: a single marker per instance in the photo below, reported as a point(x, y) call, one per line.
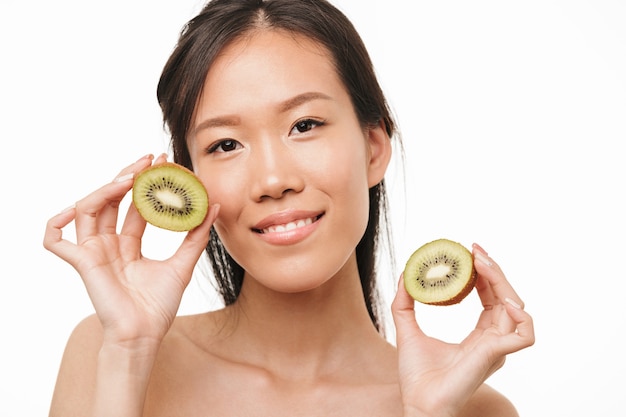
point(438, 378)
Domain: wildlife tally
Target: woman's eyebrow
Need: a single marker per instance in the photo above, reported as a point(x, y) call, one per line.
point(300, 99)
point(219, 121)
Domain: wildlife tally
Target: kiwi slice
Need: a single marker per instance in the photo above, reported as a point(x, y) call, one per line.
point(170, 196)
point(440, 272)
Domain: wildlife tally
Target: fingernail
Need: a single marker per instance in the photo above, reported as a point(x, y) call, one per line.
point(477, 246)
point(513, 303)
point(124, 177)
point(479, 256)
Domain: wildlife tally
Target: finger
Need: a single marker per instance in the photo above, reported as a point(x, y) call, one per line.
point(97, 213)
point(487, 299)
point(53, 238)
point(110, 212)
point(108, 215)
point(483, 287)
point(134, 224)
point(403, 313)
point(89, 219)
point(160, 159)
point(493, 313)
point(489, 273)
point(194, 244)
point(524, 336)
point(500, 286)
point(484, 290)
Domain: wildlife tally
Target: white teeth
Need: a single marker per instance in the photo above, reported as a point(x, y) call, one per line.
point(288, 226)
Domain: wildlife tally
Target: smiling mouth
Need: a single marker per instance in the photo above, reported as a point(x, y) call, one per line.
point(286, 227)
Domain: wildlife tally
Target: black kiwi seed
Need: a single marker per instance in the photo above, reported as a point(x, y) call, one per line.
point(170, 196)
point(440, 272)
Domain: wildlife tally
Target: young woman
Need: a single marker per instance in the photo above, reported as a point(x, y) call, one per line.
point(275, 106)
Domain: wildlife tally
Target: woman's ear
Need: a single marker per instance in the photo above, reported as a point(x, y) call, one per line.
point(379, 153)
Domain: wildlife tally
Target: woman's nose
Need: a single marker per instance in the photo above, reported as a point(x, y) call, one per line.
point(274, 171)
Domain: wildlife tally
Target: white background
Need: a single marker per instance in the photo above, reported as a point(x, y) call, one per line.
point(513, 115)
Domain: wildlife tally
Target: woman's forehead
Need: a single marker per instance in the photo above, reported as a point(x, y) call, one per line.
point(270, 66)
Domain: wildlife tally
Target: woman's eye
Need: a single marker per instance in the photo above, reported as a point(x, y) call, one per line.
point(227, 145)
point(305, 125)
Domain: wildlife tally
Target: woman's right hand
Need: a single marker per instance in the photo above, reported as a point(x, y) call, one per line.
point(135, 298)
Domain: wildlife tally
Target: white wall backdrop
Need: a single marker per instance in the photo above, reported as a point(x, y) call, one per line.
point(513, 116)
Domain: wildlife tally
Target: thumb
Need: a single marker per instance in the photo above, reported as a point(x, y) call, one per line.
point(403, 312)
point(194, 244)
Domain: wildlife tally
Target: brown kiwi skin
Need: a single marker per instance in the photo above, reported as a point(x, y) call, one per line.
point(464, 292)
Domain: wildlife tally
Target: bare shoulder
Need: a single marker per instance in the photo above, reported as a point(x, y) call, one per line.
point(76, 378)
point(185, 367)
point(487, 402)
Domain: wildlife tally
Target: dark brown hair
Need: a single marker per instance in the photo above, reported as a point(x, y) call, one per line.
point(201, 40)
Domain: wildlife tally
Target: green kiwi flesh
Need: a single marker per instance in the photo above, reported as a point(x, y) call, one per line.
point(440, 272)
point(170, 196)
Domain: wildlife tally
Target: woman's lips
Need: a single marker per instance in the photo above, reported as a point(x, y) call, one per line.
point(288, 227)
point(279, 228)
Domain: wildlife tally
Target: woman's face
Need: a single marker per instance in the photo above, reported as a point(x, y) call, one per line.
point(277, 144)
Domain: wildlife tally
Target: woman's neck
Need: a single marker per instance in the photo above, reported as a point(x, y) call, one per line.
point(307, 334)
